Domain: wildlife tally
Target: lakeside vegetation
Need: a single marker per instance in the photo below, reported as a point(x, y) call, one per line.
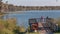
point(38, 33)
point(9, 26)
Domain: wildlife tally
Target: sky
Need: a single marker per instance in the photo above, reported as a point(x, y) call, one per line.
point(22, 18)
point(34, 2)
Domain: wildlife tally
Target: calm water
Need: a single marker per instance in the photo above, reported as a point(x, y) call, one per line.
point(22, 18)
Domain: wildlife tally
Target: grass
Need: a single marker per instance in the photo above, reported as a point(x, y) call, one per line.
point(38, 33)
point(32, 33)
point(56, 33)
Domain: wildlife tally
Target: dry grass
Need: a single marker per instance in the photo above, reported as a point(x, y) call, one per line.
point(32, 33)
point(56, 33)
point(38, 33)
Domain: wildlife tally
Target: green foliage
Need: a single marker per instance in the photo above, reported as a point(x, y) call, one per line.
point(9, 27)
point(3, 27)
point(19, 30)
point(58, 21)
point(6, 31)
point(28, 29)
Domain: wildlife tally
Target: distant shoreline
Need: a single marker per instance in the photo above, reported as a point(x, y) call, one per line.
point(11, 7)
point(25, 8)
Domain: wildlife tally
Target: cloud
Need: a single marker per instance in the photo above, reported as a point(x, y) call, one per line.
point(35, 2)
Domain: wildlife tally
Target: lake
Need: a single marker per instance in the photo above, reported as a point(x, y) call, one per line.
point(23, 16)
